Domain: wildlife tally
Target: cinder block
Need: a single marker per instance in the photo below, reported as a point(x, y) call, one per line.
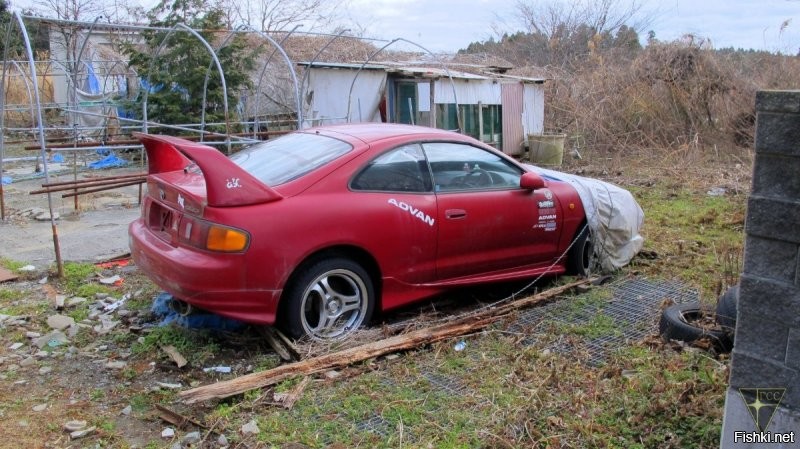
point(768, 299)
point(776, 176)
point(778, 101)
point(778, 133)
point(771, 259)
point(773, 218)
point(793, 349)
point(758, 334)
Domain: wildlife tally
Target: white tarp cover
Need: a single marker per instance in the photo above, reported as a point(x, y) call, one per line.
point(329, 92)
point(613, 216)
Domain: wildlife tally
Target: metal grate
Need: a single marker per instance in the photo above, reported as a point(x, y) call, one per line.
point(633, 311)
point(374, 424)
point(445, 383)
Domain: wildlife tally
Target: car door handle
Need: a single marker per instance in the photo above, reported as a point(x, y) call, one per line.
point(455, 214)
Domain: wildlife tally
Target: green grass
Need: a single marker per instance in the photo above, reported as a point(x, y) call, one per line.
point(18, 302)
point(698, 238)
point(8, 295)
point(196, 345)
point(12, 265)
point(90, 291)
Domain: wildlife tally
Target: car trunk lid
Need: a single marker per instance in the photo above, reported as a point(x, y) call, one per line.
point(226, 184)
point(179, 193)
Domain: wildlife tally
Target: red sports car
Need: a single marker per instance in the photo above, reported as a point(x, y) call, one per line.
point(314, 230)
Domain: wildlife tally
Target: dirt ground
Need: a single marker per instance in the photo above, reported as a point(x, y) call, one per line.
point(85, 373)
point(45, 386)
point(97, 230)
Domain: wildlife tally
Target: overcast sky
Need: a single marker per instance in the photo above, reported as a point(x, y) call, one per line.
point(448, 25)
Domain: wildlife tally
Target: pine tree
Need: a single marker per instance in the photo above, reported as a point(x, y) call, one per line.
point(177, 74)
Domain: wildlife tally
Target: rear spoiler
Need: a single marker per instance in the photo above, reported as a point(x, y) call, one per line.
point(227, 184)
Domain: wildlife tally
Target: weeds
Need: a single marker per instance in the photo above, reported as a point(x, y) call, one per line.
point(77, 275)
point(511, 396)
point(12, 265)
point(698, 237)
point(199, 345)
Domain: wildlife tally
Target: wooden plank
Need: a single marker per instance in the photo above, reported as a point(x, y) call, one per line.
point(176, 356)
point(462, 326)
point(7, 275)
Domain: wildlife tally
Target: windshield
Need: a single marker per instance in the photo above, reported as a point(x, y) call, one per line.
point(281, 160)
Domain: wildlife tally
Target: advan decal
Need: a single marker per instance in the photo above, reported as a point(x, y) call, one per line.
point(547, 213)
point(422, 216)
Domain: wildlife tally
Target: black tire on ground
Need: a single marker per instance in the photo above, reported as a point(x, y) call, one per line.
point(727, 307)
point(580, 257)
point(327, 299)
point(679, 322)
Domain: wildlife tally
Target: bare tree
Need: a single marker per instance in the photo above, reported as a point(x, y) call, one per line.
point(65, 37)
point(553, 17)
point(282, 15)
point(561, 33)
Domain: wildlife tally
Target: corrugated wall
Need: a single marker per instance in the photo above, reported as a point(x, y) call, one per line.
point(533, 112)
point(513, 132)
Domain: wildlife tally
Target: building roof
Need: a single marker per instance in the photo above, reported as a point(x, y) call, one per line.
point(403, 68)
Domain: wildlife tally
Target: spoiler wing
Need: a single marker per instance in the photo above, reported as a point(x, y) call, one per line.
point(227, 184)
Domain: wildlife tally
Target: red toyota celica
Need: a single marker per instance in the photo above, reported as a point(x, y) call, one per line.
point(315, 230)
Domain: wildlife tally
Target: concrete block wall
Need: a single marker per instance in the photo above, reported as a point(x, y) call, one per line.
point(767, 348)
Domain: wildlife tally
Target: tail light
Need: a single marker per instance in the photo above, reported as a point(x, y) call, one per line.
point(210, 236)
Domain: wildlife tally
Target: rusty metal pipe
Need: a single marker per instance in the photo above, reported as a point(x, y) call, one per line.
point(104, 178)
point(131, 183)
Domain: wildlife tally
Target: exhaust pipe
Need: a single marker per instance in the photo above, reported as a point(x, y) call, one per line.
point(181, 307)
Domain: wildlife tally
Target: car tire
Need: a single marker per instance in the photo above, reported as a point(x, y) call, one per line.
point(328, 299)
point(678, 323)
point(726, 308)
point(580, 258)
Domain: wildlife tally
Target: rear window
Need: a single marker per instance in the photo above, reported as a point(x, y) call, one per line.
point(288, 157)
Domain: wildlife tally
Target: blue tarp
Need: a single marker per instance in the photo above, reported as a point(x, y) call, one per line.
point(6, 180)
point(109, 161)
point(92, 84)
point(197, 320)
point(58, 158)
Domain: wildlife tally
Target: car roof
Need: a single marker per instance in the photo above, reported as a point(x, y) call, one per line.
point(373, 132)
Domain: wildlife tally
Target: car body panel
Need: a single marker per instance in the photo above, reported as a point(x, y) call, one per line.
point(418, 246)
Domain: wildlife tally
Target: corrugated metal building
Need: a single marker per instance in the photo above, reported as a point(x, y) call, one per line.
point(498, 109)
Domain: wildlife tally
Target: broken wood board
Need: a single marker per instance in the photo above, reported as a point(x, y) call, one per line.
point(176, 419)
point(287, 399)
point(280, 344)
point(176, 356)
point(458, 327)
point(7, 275)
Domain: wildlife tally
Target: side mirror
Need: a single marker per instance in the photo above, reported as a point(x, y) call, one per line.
point(531, 181)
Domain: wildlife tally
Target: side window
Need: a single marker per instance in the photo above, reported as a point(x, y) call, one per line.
point(402, 169)
point(458, 166)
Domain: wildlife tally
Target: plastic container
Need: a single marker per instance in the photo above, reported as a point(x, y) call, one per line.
point(546, 149)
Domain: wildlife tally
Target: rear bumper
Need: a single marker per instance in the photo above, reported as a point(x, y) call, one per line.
point(213, 282)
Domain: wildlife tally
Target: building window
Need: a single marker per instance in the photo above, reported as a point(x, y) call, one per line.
point(481, 121)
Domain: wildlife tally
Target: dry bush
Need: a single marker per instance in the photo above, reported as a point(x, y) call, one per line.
point(678, 101)
point(18, 94)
